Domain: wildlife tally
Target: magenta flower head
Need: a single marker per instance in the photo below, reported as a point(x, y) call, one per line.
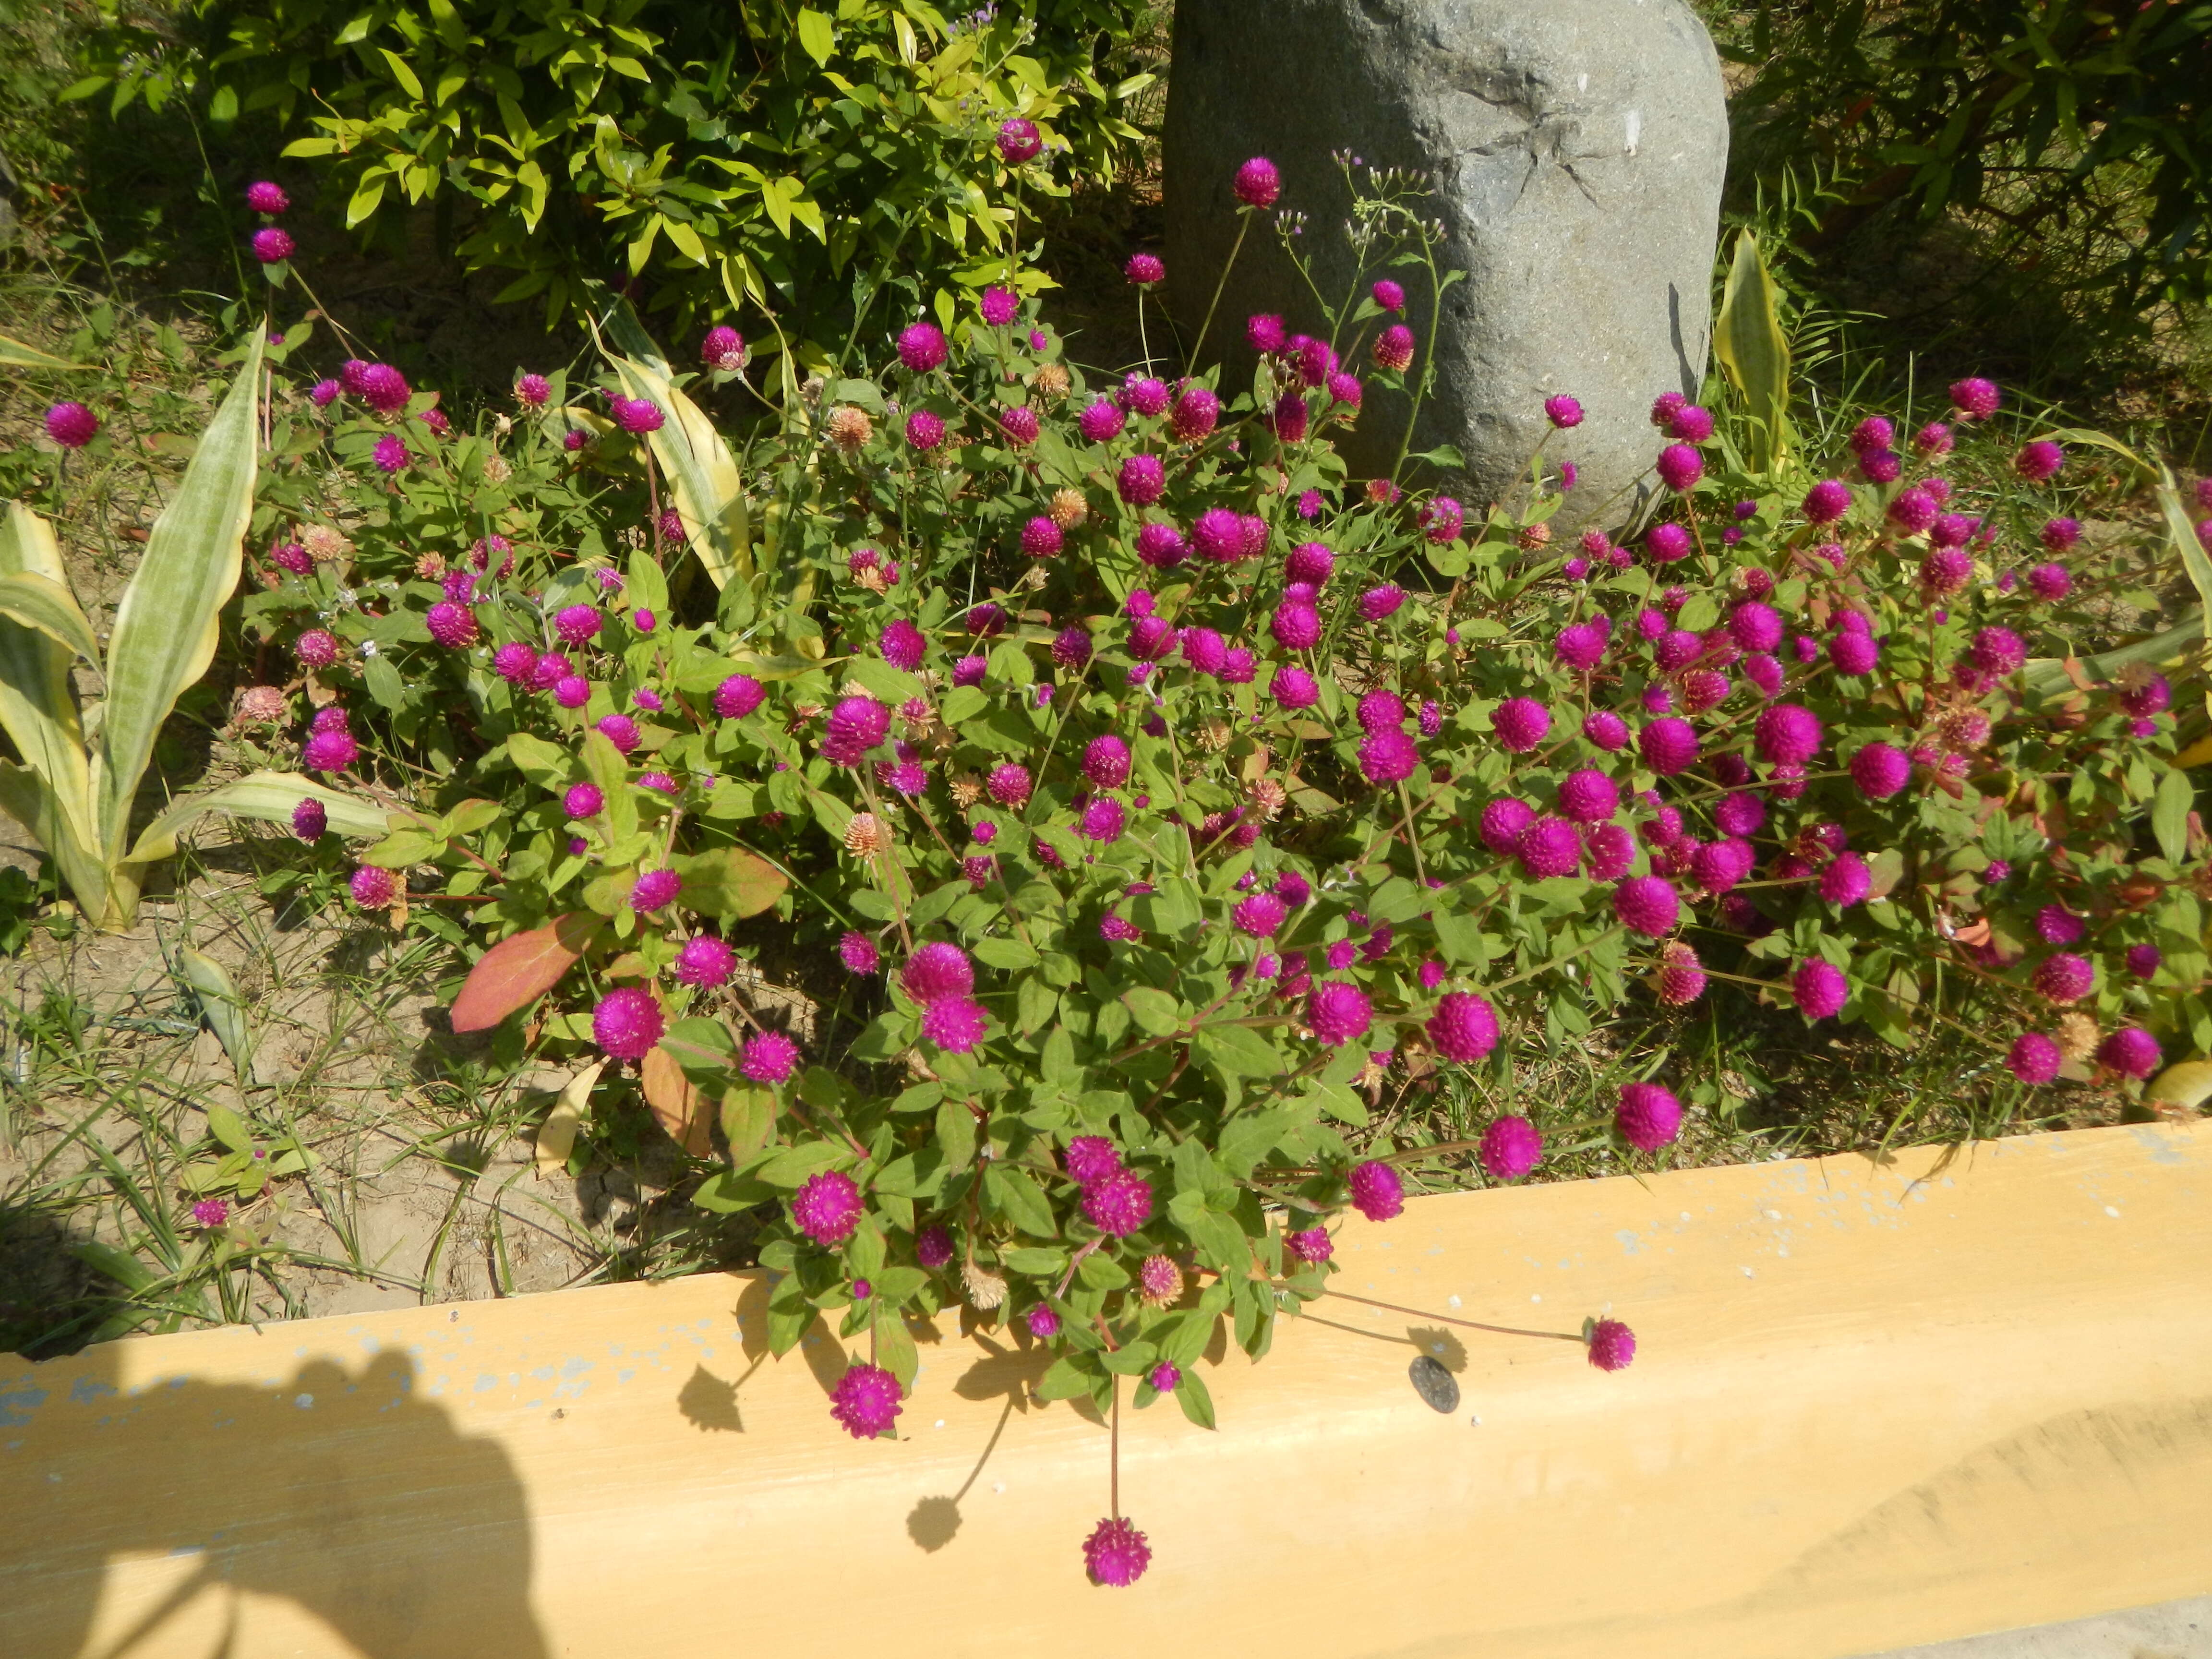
point(2130, 1051)
point(316, 648)
point(310, 819)
point(827, 1206)
point(654, 888)
point(1647, 905)
point(1667, 543)
point(1259, 914)
point(865, 1400)
point(1144, 270)
point(1913, 511)
point(1999, 652)
point(1264, 332)
point(1647, 1115)
point(210, 1212)
point(584, 800)
point(1443, 519)
point(1259, 183)
point(1563, 411)
point(936, 971)
point(1819, 988)
point(769, 1056)
point(1393, 347)
point(1827, 501)
point(999, 306)
point(1880, 770)
point(1692, 424)
point(1502, 820)
point(1296, 626)
point(262, 197)
point(1679, 467)
point(723, 348)
point(1511, 1148)
point(1089, 1159)
point(1854, 653)
point(450, 625)
point(1377, 603)
point(921, 347)
point(1115, 1554)
point(1338, 1013)
point(1520, 724)
point(1846, 881)
point(1975, 398)
point(390, 454)
point(1196, 414)
point(902, 645)
point(1009, 784)
point(1309, 1245)
point(1019, 425)
point(2034, 1058)
point(1612, 1345)
point(329, 752)
point(1588, 796)
point(933, 1248)
point(1019, 141)
point(1606, 730)
point(1580, 645)
point(1043, 1323)
point(533, 390)
point(1786, 734)
point(1118, 1203)
point(272, 245)
point(2063, 977)
point(619, 730)
point(1103, 820)
point(924, 430)
point(372, 888)
point(705, 961)
point(1141, 481)
point(1378, 1192)
point(1101, 419)
point(1464, 1027)
point(577, 625)
point(2144, 960)
point(627, 1023)
point(1042, 538)
point(1106, 762)
point(1549, 846)
point(857, 725)
point(2038, 462)
point(1293, 688)
point(738, 697)
point(71, 425)
point(1387, 757)
point(859, 953)
point(637, 415)
point(1668, 745)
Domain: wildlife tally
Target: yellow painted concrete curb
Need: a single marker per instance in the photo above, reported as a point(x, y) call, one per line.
point(1872, 1407)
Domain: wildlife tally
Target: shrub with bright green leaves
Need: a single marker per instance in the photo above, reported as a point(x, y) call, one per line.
point(1154, 794)
point(814, 161)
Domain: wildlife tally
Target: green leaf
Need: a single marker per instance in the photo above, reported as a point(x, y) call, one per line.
point(220, 1005)
point(166, 627)
point(1007, 953)
point(963, 702)
point(38, 710)
point(14, 353)
point(1197, 1403)
point(729, 882)
point(882, 681)
point(895, 1349)
point(1239, 1050)
point(956, 1134)
point(1066, 1378)
point(1017, 1197)
point(815, 35)
point(1154, 1011)
point(2169, 814)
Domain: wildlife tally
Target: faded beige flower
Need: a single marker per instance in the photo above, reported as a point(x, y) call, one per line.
point(967, 789)
point(325, 545)
point(1268, 798)
point(810, 389)
point(1034, 578)
point(1069, 507)
point(1214, 735)
point(1050, 379)
point(872, 578)
point(1535, 536)
point(2076, 1034)
point(850, 428)
point(986, 1290)
point(866, 836)
point(430, 566)
point(262, 704)
point(496, 469)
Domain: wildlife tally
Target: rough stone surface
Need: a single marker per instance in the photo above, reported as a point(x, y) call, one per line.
point(1576, 149)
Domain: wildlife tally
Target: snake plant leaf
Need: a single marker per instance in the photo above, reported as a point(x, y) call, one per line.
point(221, 1006)
point(165, 628)
point(702, 473)
point(2182, 535)
point(39, 602)
point(14, 353)
point(267, 795)
point(1754, 353)
point(32, 802)
point(2047, 675)
point(38, 712)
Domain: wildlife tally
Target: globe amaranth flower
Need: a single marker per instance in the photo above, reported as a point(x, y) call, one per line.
point(1786, 734)
point(1846, 881)
point(1679, 467)
point(1259, 914)
point(936, 971)
point(331, 750)
point(921, 347)
point(2049, 582)
point(1873, 433)
point(1668, 746)
point(619, 730)
point(1612, 1345)
point(1293, 888)
point(1310, 1245)
point(1853, 653)
point(1680, 979)
point(1106, 762)
point(1647, 905)
point(857, 725)
point(1019, 141)
point(1389, 755)
point(2143, 961)
point(1144, 270)
point(827, 1206)
point(272, 245)
point(1338, 1013)
point(72, 425)
point(769, 1056)
point(1103, 820)
point(1196, 414)
point(577, 625)
point(1102, 421)
point(2063, 977)
point(1296, 626)
point(738, 697)
point(627, 1023)
point(263, 196)
point(997, 306)
point(210, 1212)
point(1647, 1115)
point(1009, 784)
point(1141, 481)
point(2154, 695)
point(933, 1248)
point(1520, 724)
point(310, 819)
point(1293, 688)
point(1258, 182)
point(1116, 1554)
point(1666, 542)
point(1975, 398)
point(865, 1400)
point(1827, 501)
point(1464, 1027)
point(955, 1024)
point(2130, 1051)
point(654, 888)
point(1502, 822)
point(372, 888)
point(2034, 1058)
point(1393, 348)
point(1690, 423)
point(1880, 770)
point(1159, 1282)
point(1548, 846)
point(1118, 1203)
point(1043, 1323)
point(1265, 333)
point(1377, 1191)
point(705, 961)
point(1287, 419)
point(390, 454)
point(1819, 988)
point(1089, 1159)
point(1511, 1148)
point(1019, 425)
point(1442, 519)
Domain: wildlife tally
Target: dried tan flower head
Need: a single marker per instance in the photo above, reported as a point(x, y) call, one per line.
point(430, 566)
point(1050, 379)
point(986, 1290)
point(1034, 578)
point(2076, 1035)
point(1267, 799)
point(866, 836)
point(2135, 677)
point(1535, 536)
point(502, 424)
point(262, 703)
point(967, 789)
point(1214, 735)
point(872, 578)
point(1159, 1281)
point(496, 469)
point(810, 389)
point(325, 545)
point(1069, 507)
point(850, 428)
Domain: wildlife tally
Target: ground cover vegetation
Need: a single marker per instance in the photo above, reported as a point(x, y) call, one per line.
point(970, 826)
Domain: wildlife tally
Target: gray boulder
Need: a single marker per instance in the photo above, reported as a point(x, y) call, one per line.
point(1576, 149)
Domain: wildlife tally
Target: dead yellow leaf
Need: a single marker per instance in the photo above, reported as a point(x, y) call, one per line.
point(677, 1103)
point(556, 1136)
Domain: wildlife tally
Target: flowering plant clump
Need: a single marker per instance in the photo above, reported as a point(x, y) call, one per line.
point(1156, 797)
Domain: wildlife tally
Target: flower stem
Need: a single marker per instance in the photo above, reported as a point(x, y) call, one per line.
point(1244, 223)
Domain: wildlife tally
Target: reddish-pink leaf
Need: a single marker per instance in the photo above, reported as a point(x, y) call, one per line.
point(515, 972)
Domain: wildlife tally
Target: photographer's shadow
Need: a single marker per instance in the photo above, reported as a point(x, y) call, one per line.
point(344, 1492)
